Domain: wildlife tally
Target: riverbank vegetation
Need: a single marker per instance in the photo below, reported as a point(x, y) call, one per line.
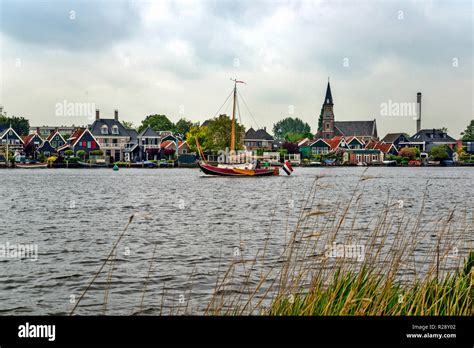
point(395, 265)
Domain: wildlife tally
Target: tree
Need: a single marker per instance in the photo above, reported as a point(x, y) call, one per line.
point(290, 125)
point(468, 134)
point(320, 120)
point(81, 154)
point(219, 133)
point(409, 152)
point(439, 153)
point(182, 127)
point(127, 124)
point(295, 137)
point(157, 123)
point(216, 135)
point(199, 132)
point(20, 124)
point(290, 147)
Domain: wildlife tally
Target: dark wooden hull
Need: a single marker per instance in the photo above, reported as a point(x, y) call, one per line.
point(214, 170)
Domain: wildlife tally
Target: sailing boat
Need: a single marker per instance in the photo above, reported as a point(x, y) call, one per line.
point(234, 169)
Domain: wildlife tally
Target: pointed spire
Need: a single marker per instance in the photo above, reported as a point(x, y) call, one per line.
point(328, 98)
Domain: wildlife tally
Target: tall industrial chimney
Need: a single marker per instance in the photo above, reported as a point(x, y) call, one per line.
point(418, 120)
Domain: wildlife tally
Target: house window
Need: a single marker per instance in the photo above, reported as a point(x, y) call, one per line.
point(89, 145)
point(358, 158)
point(184, 151)
point(327, 126)
point(84, 144)
point(104, 129)
point(115, 130)
point(94, 145)
point(374, 158)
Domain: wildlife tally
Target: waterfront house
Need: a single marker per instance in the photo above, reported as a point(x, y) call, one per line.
point(387, 149)
point(329, 127)
point(111, 136)
point(46, 149)
point(355, 143)
point(169, 146)
point(258, 140)
point(55, 138)
point(81, 139)
point(320, 147)
point(149, 142)
point(9, 137)
point(426, 139)
point(324, 146)
point(363, 156)
point(31, 143)
point(396, 139)
point(131, 152)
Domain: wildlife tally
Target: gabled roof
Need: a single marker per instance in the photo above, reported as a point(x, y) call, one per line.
point(391, 137)
point(77, 135)
point(357, 128)
point(334, 142)
point(439, 136)
point(380, 145)
point(4, 131)
point(95, 128)
point(320, 139)
point(350, 139)
point(165, 144)
point(148, 132)
point(46, 144)
point(260, 134)
point(304, 142)
point(53, 134)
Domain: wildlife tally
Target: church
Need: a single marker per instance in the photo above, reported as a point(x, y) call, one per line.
point(329, 128)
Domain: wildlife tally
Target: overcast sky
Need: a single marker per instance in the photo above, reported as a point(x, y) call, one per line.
point(177, 58)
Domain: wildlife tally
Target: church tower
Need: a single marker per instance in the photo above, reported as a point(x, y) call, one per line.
point(327, 115)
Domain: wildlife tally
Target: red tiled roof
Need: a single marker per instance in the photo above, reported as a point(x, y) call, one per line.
point(50, 136)
point(76, 135)
point(334, 142)
point(378, 145)
point(166, 143)
point(27, 138)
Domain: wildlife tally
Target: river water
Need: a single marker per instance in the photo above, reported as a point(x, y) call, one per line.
point(198, 224)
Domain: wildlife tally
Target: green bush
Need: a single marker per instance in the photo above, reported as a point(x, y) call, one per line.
point(73, 159)
point(439, 153)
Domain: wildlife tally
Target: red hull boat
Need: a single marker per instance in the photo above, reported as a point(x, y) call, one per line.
point(234, 169)
point(223, 171)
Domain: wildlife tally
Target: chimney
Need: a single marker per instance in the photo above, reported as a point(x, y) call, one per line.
point(37, 130)
point(97, 114)
point(116, 115)
point(418, 120)
point(1, 110)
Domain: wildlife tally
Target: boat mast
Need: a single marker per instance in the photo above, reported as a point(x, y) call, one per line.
point(232, 139)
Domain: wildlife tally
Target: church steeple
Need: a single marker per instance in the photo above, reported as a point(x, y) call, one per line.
point(328, 98)
point(326, 119)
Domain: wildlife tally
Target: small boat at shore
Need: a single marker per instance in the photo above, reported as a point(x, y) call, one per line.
point(390, 163)
point(92, 165)
point(31, 165)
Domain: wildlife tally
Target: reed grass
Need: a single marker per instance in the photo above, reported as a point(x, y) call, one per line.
point(390, 280)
